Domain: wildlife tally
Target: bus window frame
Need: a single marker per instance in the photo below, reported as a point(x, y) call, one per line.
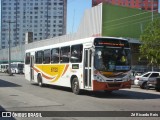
point(47, 56)
point(78, 55)
point(27, 58)
point(62, 58)
point(37, 57)
point(52, 57)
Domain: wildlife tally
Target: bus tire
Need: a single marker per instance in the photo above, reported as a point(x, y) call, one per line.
point(75, 86)
point(39, 78)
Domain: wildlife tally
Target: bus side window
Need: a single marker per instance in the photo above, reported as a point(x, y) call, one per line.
point(46, 56)
point(65, 54)
point(27, 58)
point(39, 57)
point(76, 53)
point(55, 55)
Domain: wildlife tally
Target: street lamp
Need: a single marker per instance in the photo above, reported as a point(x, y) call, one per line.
point(9, 49)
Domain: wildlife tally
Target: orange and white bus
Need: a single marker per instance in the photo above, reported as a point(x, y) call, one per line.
point(94, 64)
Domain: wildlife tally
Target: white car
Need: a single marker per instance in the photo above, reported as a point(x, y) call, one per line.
point(136, 78)
point(142, 79)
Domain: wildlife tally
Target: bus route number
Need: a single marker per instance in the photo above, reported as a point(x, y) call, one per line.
point(54, 69)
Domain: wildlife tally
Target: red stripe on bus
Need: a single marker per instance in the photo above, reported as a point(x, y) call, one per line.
point(65, 69)
point(47, 77)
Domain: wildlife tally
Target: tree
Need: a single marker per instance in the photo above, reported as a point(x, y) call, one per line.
point(150, 48)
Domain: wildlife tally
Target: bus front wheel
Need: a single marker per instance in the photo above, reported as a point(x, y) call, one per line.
point(40, 83)
point(75, 86)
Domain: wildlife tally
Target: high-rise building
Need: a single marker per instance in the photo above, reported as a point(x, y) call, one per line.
point(141, 4)
point(45, 18)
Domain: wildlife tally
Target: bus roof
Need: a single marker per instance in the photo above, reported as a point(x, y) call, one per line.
point(72, 42)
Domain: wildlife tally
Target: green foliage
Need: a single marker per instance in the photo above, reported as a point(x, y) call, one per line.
point(150, 48)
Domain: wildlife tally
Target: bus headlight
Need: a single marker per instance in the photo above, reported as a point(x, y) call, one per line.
point(99, 78)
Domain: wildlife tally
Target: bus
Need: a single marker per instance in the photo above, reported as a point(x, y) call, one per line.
point(4, 68)
point(0, 68)
point(17, 67)
point(93, 64)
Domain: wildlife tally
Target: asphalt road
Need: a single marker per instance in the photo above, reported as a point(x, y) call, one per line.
point(17, 94)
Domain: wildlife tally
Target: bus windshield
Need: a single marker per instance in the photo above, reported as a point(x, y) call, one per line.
point(112, 55)
point(112, 59)
point(20, 66)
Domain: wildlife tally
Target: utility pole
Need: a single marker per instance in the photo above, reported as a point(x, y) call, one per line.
point(152, 10)
point(152, 21)
point(73, 21)
point(9, 48)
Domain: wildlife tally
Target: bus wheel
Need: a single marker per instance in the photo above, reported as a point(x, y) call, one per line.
point(75, 86)
point(39, 78)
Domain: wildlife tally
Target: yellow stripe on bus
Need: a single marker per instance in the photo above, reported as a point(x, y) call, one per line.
point(52, 72)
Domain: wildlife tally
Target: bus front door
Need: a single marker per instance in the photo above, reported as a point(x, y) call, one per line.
point(31, 68)
point(87, 68)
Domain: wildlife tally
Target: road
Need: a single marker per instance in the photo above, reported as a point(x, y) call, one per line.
point(17, 94)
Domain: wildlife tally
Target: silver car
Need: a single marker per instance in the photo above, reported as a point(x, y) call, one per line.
point(154, 83)
point(145, 77)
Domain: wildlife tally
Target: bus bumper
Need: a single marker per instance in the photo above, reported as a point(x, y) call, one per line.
point(110, 86)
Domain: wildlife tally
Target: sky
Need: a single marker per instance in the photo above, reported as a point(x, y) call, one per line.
point(75, 12)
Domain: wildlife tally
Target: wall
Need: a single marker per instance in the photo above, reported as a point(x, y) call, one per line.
point(121, 21)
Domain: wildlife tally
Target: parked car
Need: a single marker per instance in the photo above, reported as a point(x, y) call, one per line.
point(154, 83)
point(137, 76)
point(142, 80)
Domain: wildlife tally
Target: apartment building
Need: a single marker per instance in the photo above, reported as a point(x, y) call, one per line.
point(141, 4)
point(45, 18)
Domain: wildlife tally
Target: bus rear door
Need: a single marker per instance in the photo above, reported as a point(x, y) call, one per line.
point(31, 67)
point(87, 68)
